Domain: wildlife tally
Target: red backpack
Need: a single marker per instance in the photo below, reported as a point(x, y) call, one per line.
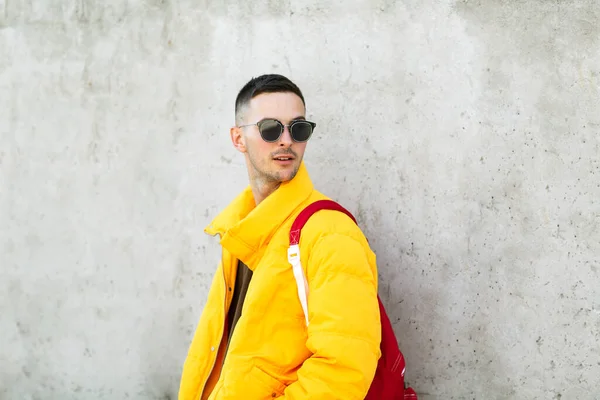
point(388, 383)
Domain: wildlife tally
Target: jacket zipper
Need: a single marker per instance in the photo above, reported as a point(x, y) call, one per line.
point(221, 334)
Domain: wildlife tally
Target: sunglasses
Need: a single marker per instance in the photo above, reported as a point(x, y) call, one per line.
point(271, 129)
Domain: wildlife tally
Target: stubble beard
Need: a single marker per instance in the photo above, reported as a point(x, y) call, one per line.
point(265, 177)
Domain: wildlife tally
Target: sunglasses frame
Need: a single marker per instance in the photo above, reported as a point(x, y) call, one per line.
point(282, 127)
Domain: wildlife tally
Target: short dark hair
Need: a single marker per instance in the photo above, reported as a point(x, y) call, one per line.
point(268, 83)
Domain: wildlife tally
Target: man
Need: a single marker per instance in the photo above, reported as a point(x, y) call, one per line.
point(252, 341)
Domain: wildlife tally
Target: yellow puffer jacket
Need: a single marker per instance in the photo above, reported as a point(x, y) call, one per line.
point(272, 353)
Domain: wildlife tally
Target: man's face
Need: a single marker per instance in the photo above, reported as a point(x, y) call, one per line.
point(263, 158)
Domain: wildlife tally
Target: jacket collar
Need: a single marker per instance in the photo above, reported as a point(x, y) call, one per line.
point(246, 229)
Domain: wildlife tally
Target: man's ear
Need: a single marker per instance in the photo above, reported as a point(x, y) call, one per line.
point(238, 140)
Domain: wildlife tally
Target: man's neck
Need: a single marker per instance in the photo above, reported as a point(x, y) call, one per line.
point(261, 190)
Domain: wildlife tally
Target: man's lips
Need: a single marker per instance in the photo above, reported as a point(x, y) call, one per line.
point(283, 158)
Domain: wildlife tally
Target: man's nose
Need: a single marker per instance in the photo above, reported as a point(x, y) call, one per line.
point(286, 137)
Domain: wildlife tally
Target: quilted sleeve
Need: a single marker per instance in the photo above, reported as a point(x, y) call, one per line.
point(344, 329)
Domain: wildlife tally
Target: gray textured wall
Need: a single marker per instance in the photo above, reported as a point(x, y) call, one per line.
point(464, 135)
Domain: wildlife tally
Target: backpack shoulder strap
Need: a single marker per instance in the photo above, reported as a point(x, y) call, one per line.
point(305, 215)
point(294, 249)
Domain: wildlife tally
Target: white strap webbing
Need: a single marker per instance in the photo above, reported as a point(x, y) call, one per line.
point(301, 283)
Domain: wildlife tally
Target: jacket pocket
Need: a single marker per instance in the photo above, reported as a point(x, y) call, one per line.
point(274, 386)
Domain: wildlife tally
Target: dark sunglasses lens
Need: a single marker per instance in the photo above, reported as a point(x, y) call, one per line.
point(270, 130)
point(301, 131)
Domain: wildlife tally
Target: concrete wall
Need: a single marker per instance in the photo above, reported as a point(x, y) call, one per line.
point(464, 135)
